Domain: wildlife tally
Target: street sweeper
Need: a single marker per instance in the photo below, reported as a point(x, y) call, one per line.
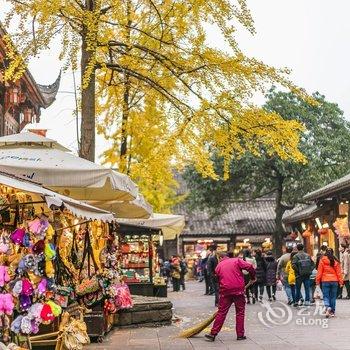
point(231, 291)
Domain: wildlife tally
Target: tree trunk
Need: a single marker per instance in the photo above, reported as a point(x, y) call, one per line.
point(125, 117)
point(279, 211)
point(87, 132)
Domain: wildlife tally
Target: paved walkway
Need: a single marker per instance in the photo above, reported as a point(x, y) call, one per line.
point(272, 326)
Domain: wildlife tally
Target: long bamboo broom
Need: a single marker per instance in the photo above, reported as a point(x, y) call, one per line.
point(196, 329)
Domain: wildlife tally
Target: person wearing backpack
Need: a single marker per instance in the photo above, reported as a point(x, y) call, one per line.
point(329, 274)
point(303, 267)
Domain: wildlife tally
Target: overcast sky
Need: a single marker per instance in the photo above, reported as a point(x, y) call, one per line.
point(311, 37)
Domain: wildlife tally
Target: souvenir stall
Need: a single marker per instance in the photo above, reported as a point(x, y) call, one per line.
point(137, 258)
point(36, 283)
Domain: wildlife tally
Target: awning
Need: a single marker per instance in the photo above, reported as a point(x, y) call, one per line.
point(77, 208)
point(45, 161)
point(171, 225)
point(135, 209)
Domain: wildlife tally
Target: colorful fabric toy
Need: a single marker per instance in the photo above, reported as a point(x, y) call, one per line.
point(17, 289)
point(26, 240)
point(39, 247)
point(35, 311)
point(26, 325)
point(46, 314)
point(4, 248)
point(49, 269)
point(27, 288)
point(50, 252)
point(24, 302)
point(56, 309)
point(42, 286)
point(4, 276)
point(6, 304)
point(17, 236)
point(34, 327)
point(16, 324)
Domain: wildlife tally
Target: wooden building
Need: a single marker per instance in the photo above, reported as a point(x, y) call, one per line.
point(21, 101)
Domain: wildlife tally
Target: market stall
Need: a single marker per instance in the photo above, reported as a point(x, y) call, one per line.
point(138, 258)
point(38, 278)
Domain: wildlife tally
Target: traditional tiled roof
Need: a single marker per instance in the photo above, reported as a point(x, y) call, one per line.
point(242, 218)
point(342, 184)
point(301, 213)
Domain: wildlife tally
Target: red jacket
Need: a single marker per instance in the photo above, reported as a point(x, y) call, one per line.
point(327, 273)
point(230, 275)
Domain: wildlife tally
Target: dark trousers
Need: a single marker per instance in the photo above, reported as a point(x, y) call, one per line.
point(215, 286)
point(225, 303)
point(347, 287)
point(176, 284)
point(269, 289)
point(258, 289)
point(302, 280)
point(292, 288)
point(329, 291)
point(182, 281)
point(207, 282)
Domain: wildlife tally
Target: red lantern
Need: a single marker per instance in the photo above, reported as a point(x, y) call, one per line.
point(307, 233)
point(323, 231)
point(27, 113)
point(14, 96)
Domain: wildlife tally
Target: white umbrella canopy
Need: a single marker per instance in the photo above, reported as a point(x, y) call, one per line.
point(138, 208)
point(45, 161)
point(171, 225)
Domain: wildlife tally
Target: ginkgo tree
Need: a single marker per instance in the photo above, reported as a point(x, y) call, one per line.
point(164, 96)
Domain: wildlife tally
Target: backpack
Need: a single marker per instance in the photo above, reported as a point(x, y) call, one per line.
point(305, 265)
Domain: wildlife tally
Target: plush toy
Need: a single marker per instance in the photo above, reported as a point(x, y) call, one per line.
point(24, 302)
point(50, 252)
point(34, 327)
point(17, 236)
point(16, 324)
point(4, 276)
point(26, 325)
point(42, 286)
point(4, 248)
point(46, 314)
point(38, 247)
point(49, 269)
point(17, 289)
point(29, 261)
point(35, 311)
point(26, 240)
point(27, 287)
point(39, 268)
point(6, 304)
point(56, 309)
point(34, 226)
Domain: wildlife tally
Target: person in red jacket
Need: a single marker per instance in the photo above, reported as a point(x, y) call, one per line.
point(231, 291)
point(329, 274)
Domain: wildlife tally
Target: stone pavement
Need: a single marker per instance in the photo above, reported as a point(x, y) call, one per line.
point(272, 326)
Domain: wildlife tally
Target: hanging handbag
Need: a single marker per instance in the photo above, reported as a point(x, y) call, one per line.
point(90, 284)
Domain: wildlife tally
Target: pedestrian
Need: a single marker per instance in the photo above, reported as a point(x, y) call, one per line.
point(281, 275)
point(231, 289)
point(303, 267)
point(346, 270)
point(175, 273)
point(183, 272)
point(260, 270)
point(167, 271)
point(329, 273)
point(290, 278)
point(211, 266)
point(271, 271)
point(205, 273)
point(247, 256)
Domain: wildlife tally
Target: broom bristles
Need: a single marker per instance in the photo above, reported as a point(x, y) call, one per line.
point(188, 333)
